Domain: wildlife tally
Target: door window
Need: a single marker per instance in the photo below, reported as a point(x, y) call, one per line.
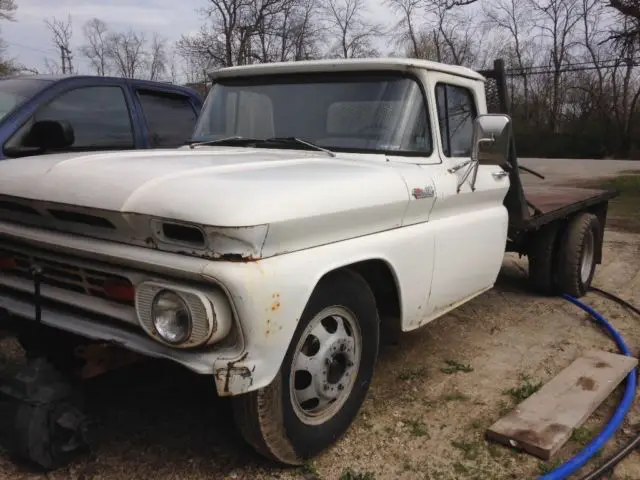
point(98, 115)
point(456, 113)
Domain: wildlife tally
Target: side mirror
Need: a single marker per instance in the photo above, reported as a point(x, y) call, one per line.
point(491, 139)
point(490, 145)
point(50, 135)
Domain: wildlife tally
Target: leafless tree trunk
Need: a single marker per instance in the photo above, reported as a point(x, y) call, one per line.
point(158, 58)
point(514, 17)
point(249, 31)
point(303, 34)
point(625, 86)
point(127, 52)
point(406, 28)
point(556, 20)
point(96, 48)
point(346, 20)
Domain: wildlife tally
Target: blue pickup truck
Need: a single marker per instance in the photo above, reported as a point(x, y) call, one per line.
point(46, 114)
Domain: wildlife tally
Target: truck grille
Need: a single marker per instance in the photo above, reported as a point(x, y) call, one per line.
point(64, 274)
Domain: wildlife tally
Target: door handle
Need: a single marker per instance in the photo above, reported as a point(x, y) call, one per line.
point(499, 175)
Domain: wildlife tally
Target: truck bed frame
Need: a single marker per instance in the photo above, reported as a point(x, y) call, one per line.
point(532, 207)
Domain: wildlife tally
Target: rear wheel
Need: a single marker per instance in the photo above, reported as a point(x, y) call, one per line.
point(323, 379)
point(577, 255)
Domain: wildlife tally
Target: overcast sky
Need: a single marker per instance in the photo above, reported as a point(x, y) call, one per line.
point(29, 40)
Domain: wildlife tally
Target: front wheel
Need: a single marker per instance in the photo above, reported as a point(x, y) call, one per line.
point(323, 379)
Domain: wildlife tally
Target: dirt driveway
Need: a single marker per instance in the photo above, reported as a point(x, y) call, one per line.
point(433, 396)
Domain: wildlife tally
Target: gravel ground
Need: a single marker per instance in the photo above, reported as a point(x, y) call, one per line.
point(420, 420)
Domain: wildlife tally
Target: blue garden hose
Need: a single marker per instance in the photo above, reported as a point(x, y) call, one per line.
point(579, 460)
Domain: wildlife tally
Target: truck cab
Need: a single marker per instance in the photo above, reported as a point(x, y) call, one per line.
point(46, 114)
point(416, 119)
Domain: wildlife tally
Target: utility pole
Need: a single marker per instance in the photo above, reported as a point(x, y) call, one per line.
point(69, 56)
point(65, 59)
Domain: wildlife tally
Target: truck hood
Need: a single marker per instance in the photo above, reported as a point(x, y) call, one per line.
point(291, 191)
point(221, 186)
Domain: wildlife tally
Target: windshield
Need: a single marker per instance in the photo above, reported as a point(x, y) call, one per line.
point(369, 112)
point(14, 91)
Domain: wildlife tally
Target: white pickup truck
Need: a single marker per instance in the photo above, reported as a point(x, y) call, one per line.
point(317, 203)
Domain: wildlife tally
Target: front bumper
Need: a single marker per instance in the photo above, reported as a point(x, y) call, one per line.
point(19, 309)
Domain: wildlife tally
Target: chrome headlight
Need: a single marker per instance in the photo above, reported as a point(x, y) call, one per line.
point(171, 317)
point(183, 317)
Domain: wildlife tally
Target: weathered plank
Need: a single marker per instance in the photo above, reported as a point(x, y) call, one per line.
point(542, 423)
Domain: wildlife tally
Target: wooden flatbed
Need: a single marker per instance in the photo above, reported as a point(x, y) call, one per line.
point(549, 203)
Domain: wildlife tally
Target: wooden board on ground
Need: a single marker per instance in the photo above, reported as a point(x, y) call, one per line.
point(542, 423)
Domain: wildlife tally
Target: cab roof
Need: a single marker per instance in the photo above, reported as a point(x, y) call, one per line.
point(344, 65)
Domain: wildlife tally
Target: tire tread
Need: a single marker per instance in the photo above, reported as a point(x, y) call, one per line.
point(258, 414)
point(570, 254)
point(259, 419)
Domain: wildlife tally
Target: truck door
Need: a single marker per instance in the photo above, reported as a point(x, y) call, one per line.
point(471, 238)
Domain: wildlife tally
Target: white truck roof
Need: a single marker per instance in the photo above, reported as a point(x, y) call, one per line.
point(351, 64)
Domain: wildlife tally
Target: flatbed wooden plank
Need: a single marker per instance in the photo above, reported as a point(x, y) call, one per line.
point(542, 423)
point(549, 198)
point(555, 203)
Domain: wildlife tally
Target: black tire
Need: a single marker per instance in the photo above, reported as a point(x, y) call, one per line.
point(542, 259)
point(577, 248)
point(267, 418)
point(43, 418)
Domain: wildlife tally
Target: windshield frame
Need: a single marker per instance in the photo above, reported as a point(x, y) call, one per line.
point(318, 77)
point(40, 84)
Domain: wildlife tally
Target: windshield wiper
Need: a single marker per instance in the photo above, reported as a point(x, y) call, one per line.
point(234, 139)
point(243, 140)
point(299, 141)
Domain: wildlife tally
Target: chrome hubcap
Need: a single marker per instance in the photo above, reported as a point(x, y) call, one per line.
point(325, 365)
point(587, 259)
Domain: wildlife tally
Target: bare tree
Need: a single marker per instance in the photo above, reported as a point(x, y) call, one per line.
point(62, 33)
point(96, 48)
point(407, 31)
point(127, 52)
point(249, 31)
point(158, 58)
point(301, 34)
point(289, 33)
point(172, 67)
point(514, 18)
point(457, 36)
point(556, 21)
point(347, 21)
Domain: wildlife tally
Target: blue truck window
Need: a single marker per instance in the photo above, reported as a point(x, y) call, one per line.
point(171, 118)
point(99, 116)
point(14, 91)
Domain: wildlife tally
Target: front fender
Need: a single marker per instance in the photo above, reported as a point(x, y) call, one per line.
point(269, 296)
